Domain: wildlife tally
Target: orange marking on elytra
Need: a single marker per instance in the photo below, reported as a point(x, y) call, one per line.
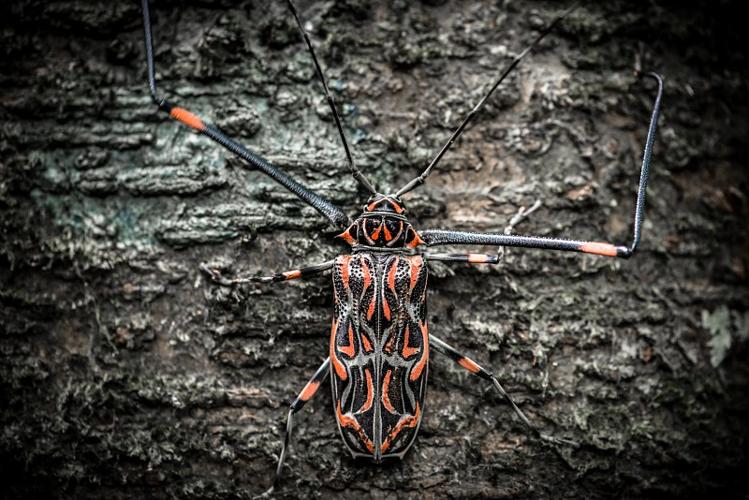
point(477, 258)
point(385, 389)
point(189, 119)
point(419, 366)
point(367, 274)
point(389, 344)
point(416, 264)
point(292, 275)
point(391, 274)
point(469, 365)
point(407, 351)
point(309, 390)
point(598, 248)
point(370, 393)
point(403, 423)
point(352, 423)
point(366, 344)
point(345, 260)
point(385, 307)
point(340, 370)
point(348, 350)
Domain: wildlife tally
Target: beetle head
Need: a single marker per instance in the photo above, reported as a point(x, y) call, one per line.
point(383, 223)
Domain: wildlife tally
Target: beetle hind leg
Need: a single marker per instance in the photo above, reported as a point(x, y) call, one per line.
point(307, 393)
point(470, 365)
point(216, 276)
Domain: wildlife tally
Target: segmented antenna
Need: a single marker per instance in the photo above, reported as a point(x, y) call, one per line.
point(322, 205)
point(421, 178)
point(148, 38)
point(645, 169)
point(354, 171)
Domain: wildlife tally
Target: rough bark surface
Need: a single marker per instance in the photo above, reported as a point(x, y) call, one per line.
point(124, 373)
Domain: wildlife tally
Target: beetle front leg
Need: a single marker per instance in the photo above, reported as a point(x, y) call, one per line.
point(471, 258)
point(468, 364)
point(303, 272)
point(307, 393)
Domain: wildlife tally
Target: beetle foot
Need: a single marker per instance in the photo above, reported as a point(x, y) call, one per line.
point(215, 275)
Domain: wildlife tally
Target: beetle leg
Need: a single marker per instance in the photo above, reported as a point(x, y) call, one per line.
point(473, 367)
point(307, 393)
point(473, 258)
point(303, 272)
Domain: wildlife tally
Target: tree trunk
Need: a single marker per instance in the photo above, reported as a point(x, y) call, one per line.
point(126, 373)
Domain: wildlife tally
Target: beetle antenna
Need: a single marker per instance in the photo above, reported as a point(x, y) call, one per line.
point(354, 170)
point(253, 160)
point(421, 178)
point(149, 54)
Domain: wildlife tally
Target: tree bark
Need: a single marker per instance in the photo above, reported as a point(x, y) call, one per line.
point(125, 373)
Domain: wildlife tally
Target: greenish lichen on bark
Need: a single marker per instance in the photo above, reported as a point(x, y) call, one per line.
point(123, 373)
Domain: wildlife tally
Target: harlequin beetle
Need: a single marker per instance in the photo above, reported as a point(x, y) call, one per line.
point(380, 340)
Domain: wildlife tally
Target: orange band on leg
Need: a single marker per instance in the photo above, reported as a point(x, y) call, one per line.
point(597, 248)
point(292, 275)
point(309, 390)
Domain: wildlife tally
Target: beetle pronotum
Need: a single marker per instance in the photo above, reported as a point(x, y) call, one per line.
point(380, 341)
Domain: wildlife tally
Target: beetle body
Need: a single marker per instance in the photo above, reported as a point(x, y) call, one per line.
point(379, 342)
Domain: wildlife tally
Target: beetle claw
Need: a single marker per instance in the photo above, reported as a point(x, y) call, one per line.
point(215, 275)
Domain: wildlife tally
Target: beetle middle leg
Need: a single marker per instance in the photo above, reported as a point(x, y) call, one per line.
point(473, 367)
point(307, 393)
point(303, 272)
